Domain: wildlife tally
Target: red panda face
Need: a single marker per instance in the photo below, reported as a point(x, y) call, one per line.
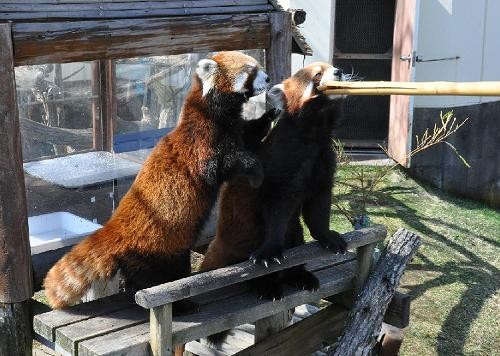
point(296, 91)
point(232, 72)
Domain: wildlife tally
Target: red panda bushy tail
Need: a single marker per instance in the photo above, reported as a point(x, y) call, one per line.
point(70, 278)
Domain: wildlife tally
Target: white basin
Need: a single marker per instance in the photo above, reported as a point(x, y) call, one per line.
point(59, 229)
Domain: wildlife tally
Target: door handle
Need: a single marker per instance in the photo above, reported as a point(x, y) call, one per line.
point(406, 58)
point(419, 59)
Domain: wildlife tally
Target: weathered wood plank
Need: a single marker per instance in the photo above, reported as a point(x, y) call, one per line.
point(103, 6)
point(330, 260)
point(70, 41)
point(199, 349)
point(223, 315)
point(303, 337)
point(146, 13)
point(211, 280)
point(398, 311)
point(365, 263)
point(46, 324)
point(270, 325)
point(365, 318)
point(246, 308)
point(68, 337)
point(279, 52)
point(160, 330)
point(130, 341)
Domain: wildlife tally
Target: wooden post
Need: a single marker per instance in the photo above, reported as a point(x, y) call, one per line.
point(365, 264)
point(108, 105)
point(160, 330)
point(96, 107)
point(16, 284)
point(279, 53)
point(270, 325)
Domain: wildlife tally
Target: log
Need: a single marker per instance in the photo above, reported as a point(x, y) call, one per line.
point(412, 88)
point(365, 318)
point(76, 138)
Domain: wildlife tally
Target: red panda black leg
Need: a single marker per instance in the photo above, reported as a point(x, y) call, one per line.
point(316, 212)
point(300, 278)
point(268, 287)
point(276, 215)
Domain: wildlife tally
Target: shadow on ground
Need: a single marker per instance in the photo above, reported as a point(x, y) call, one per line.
point(480, 278)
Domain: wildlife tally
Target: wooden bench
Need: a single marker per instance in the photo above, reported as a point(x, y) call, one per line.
point(117, 326)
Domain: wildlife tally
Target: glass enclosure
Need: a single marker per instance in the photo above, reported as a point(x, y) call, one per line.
point(86, 130)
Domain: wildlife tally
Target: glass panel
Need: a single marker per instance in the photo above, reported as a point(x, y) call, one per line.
point(69, 186)
point(150, 93)
point(52, 98)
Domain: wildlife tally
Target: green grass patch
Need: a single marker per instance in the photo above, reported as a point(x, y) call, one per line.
point(454, 279)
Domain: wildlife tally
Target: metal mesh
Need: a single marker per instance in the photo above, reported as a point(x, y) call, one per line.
point(364, 26)
point(365, 117)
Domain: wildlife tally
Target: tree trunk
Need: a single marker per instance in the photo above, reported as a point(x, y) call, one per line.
point(365, 319)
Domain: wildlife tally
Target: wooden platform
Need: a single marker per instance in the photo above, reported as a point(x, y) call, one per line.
point(119, 326)
point(116, 325)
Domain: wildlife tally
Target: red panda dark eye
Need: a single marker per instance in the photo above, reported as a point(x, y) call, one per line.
point(317, 75)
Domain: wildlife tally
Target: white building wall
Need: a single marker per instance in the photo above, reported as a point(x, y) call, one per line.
point(317, 29)
point(464, 28)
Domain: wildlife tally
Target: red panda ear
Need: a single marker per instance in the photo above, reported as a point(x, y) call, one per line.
point(317, 78)
point(205, 69)
point(276, 96)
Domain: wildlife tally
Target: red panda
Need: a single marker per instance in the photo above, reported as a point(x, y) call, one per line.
point(149, 235)
point(299, 164)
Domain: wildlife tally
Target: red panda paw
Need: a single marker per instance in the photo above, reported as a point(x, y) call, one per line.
point(333, 242)
point(267, 254)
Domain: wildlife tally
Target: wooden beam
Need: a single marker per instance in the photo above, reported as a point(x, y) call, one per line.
point(270, 325)
point(365, 263)
point(160, 330)
point(398, 311)
point(16, 285)
point(101, 7)
point(65, 12)
point(70, 41)
point(279, 51)
point(304, 337)
point(222, 277)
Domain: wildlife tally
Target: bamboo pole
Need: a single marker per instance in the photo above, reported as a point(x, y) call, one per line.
point(412, 88)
